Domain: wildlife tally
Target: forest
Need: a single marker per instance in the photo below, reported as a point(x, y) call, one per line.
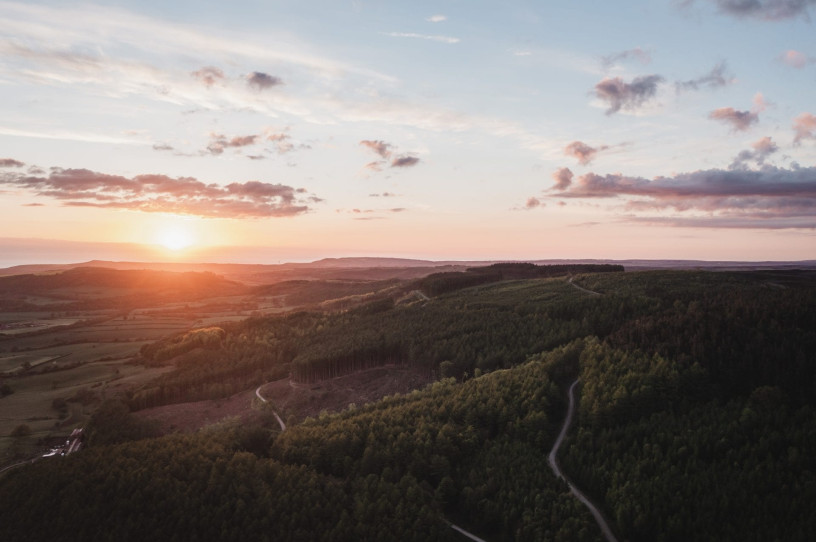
point(696, 420)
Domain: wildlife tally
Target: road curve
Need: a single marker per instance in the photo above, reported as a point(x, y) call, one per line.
point(465, 533)
point(261, 397)
point(553, 459)
point(590, 292)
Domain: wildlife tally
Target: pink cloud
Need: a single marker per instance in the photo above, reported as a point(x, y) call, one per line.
point(563, 178)
point(160, 193)
point(583, 152)
point(805, 127)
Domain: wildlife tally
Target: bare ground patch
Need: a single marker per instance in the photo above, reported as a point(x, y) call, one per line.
point(188, 417)
point(297, 402)
point(292, 402)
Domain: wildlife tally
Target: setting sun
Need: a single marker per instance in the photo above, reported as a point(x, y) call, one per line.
point(176, 240)
point(174, 235)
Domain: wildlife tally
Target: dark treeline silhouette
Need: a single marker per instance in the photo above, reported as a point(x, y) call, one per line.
point(440, 283)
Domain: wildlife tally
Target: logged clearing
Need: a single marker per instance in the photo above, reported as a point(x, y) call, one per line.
point(292, 401)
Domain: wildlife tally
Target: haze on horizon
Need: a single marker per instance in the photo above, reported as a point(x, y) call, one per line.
point(274, 131)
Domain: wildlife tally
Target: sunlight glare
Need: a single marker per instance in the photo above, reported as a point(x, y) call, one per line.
point(176, 240)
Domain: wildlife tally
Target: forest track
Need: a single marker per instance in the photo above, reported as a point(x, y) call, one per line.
point(553, 460)
point(261, 397)
point(590, 292)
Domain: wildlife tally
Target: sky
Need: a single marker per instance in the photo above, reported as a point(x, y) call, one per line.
point(270, 131)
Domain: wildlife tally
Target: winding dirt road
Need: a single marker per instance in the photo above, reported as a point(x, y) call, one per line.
point(590, 292)
point(553, 459)
point(261, 397)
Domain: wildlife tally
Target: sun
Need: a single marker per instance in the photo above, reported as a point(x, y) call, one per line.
point(175, 239)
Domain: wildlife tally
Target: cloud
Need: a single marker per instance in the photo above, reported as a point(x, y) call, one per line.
point(405, 161)
point(583, 152)
point(740, 120)
point(436, 19)
point(386, 151)
point(765, 10)
point(154, 193)
point(383, 195)
point(637, 53)
point(760, 198)
point(762, 149)
point(563, 178)
point(10, 162)
point(805, 127)
point(714, 79)
point(795, 59)
point(209, 75)
point(442, 39)
point(162, 147)
point(263, 81)
point(219, 142)
point(378, 146)
point(628, 96)
point(532, 203)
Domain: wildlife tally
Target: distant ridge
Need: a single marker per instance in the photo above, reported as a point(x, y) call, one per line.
point(354, 267)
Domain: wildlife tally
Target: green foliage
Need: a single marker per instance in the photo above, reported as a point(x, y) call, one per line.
point(669, 463)
point(480, 446)
point(112, 423)
point(696, 421)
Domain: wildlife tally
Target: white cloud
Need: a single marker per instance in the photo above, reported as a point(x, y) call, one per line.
point(436, 19)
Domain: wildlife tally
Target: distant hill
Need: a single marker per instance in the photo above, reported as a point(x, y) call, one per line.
point(97, 287)
point(366, 268)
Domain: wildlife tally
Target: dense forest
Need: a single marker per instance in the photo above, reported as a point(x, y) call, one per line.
point(696, 421)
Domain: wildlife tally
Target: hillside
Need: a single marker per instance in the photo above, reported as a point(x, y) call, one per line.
point(696, 420)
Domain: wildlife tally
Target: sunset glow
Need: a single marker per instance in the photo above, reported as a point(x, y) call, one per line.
point(449, 131)
point(175, 240)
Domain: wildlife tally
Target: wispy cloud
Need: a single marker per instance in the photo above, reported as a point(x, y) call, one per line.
point(619, 94)
point(716, 78)
point(163, 194)
point(436, 19)
point(97, 24)
point(219, 142)
point(642, 56)
point(764, 10)
point(429, 37)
